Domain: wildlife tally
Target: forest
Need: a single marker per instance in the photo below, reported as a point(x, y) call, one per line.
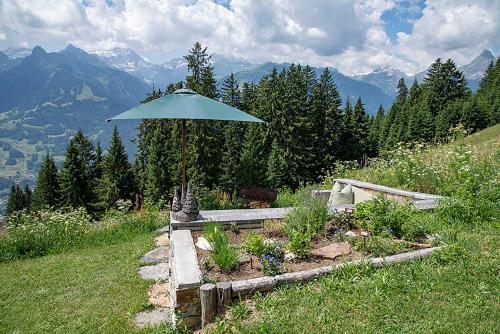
point(308, 131)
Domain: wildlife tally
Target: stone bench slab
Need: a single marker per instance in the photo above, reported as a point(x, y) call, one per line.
point(247, 218)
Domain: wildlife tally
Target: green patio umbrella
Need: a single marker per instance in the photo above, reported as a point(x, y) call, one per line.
point(185, 104)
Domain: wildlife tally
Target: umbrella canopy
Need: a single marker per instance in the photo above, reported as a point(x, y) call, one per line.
point(186, 104)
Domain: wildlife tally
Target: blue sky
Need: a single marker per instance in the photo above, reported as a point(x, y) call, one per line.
point(353, 36)
point(402, 18)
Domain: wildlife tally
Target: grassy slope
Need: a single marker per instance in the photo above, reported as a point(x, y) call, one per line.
point(461, 295)
point(90, 290)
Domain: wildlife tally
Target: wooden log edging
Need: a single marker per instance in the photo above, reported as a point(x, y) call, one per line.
point(267, 283)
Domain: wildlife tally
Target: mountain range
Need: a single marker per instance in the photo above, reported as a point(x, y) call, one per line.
point(45, 97)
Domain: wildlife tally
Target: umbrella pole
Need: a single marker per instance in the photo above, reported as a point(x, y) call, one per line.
point(183, 153)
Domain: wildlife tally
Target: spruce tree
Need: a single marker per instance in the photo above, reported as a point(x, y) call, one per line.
point(233, 136)
point(327, 119)
point(374, 132)
point(488, 98)
point(47, 191)
point(28, 195)
point(117, 180)
point(74, 178)
point(205, 137)
point(278, 176)
point(251, 170)
point(161, 174)
point(18, 199)
point(361, 124)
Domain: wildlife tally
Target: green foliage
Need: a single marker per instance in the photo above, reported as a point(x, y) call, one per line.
point(377, 246)
point(224, 255)
point(117, 179)
point(46, 193)
point(74, 178)
point(381, 216)
point(449, 254)
point(38, 233)
point(308, 217)
point(34, 234)
point(299, 243)
point(254, 244)
point(217, 199)
point(18, 199)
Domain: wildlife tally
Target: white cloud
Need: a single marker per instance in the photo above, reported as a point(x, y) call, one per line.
point(2, 36)
point(346, 34)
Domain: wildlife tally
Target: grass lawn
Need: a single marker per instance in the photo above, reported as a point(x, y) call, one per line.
point(459, 294)
point(89, 290)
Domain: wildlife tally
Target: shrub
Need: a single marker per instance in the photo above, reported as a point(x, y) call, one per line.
point(254, 244)
point(217, 200)
point(382, 216)
point(299, 244)
point(309, 217)
point(340, 222)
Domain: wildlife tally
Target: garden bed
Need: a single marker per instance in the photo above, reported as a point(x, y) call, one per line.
point(251, 266)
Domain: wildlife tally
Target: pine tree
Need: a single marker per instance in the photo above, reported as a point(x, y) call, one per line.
point(374, 132)
point(47, 191)
point(361, 124)
point(161, 174)
point(277, 170)
point(327, 119)
point(488, 99)
point(251, 170)
point(233, 136)
point(74, 178)
point(117, 180)
point(347, 135)
point(205, 137)
point(18, 199)
point(28, 195)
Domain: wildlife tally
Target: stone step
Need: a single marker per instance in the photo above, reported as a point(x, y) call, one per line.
point(158, 295)
point(158, 272)
point(163, 240)
point(157, 255)
point(153, 317)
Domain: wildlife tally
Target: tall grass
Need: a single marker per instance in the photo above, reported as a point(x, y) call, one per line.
point(34, 234)
point(225, 255)
point(467, 170)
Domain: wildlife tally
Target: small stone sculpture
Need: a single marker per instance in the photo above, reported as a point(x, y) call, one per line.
point(177, 202)
point(189, 207)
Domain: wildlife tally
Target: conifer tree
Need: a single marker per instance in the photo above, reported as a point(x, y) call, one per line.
point(18, 199)
point(161, 174)
point(28, 195)
point(327, 120)
point(347, 134)
point(233, 136)
point(361, 124)
point(205, 137)
point(47, 191)
point(117, 180)
point(251, 170)
point(374, 132)
point(278, 176)
point(74, 178)
point(488, 98)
